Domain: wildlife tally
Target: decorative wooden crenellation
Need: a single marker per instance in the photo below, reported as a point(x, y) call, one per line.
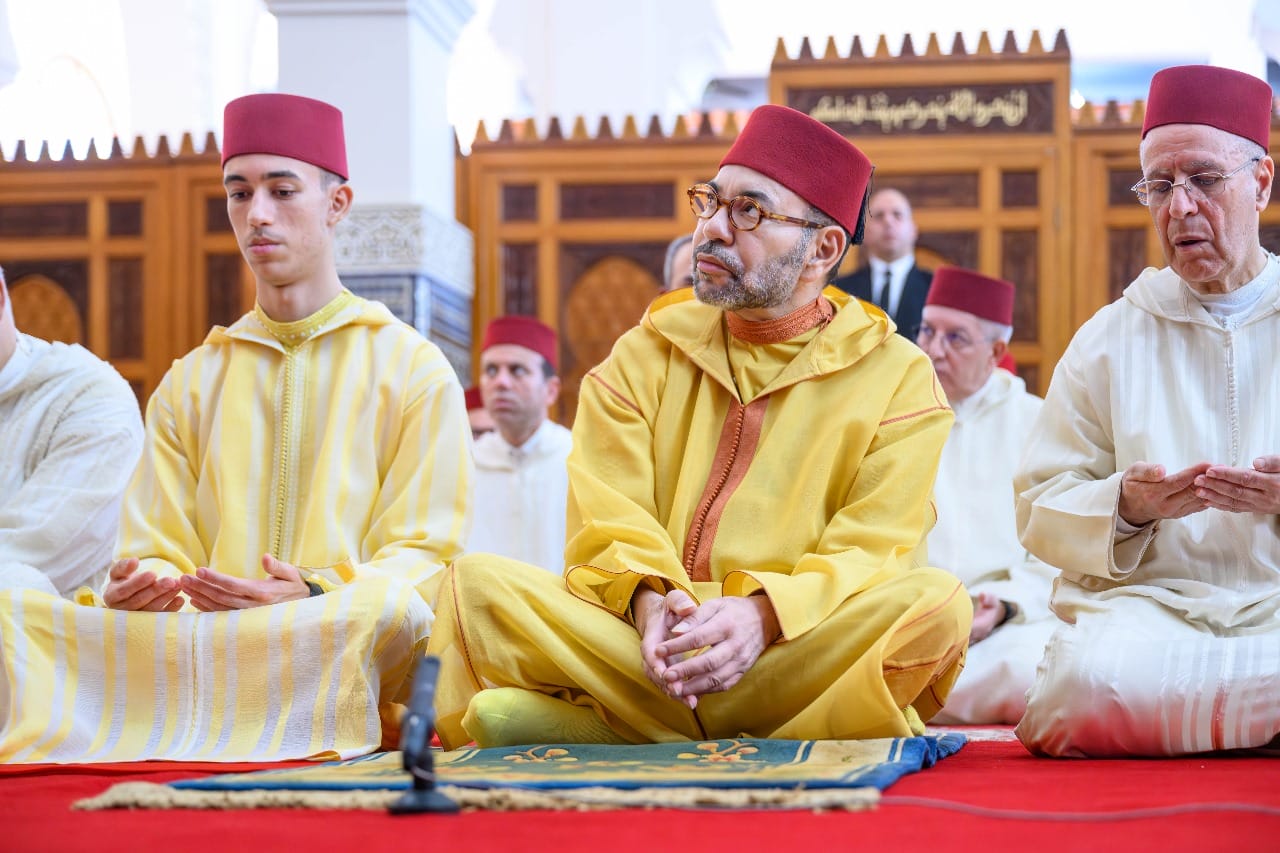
point(1110, 115)
point(131, 246)
point(714, 126)
point(933, 52)
point(186, 150)
point(1114, 115)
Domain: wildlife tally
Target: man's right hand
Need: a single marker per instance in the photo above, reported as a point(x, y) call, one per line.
point(129, 589)
point(1147, 495)
point(655, 616)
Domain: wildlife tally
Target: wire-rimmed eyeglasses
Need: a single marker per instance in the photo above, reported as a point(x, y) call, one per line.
point(1155, 193)
point(745, 213)
point(954, 340)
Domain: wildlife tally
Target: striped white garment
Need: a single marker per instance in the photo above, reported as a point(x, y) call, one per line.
point(303, 679)
point(976, 539)
point(1155, 378)
point(70, 435)
point(338, 443)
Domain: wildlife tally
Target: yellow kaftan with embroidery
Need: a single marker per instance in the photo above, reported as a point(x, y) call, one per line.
point(799, 469)
point(339, 444)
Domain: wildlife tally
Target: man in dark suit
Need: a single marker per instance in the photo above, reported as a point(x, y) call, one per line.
point(891, 278)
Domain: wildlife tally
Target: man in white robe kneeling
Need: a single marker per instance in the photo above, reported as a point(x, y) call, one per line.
point(1152, 478)
point(965, 330)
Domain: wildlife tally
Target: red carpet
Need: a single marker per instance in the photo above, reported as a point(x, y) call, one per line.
point(35, 815)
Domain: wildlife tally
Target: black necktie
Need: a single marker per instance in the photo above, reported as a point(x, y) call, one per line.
point(883, 300)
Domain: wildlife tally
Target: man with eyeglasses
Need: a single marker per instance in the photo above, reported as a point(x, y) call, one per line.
point(965, 329)
point(1152, 479)
point(741, 554)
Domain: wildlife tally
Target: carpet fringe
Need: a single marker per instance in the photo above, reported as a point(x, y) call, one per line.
point(149, 795)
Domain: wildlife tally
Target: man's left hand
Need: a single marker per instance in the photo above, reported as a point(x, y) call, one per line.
point(210, 590)
point(732, 632)
point(988, 614)
point(1255, 489)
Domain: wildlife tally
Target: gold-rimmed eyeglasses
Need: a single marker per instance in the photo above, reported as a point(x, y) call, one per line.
point(745, 213)
point(1155, 193)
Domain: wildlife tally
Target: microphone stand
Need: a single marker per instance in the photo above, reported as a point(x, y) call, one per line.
point(415, 746)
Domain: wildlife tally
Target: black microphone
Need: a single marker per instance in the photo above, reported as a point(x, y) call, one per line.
point(415, 745)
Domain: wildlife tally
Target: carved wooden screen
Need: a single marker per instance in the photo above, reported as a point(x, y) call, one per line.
point(979, 141)
point(573, 229)
point(129, 256)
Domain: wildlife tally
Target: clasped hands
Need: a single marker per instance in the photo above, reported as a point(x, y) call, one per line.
point(129, 589)
point(1147, 493)
point(691, 649)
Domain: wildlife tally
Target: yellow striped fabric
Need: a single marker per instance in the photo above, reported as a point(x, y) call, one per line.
point(304, 679)
point(338, 443)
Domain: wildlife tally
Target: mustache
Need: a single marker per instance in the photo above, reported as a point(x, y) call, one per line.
point(721, 255)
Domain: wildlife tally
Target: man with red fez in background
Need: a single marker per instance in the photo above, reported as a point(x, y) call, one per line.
point(741, 556)
point(1152, 478)
point(965, 329)
point(521, 482)
point(305, 475)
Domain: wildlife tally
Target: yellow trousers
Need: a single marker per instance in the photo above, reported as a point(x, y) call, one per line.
point(501, 623)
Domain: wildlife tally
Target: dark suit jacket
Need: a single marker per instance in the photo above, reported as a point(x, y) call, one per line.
point(910, 304)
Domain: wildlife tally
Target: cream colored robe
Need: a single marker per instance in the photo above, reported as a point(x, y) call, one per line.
point(1173, 641)
point(339, 444)
point(70, 435)
point(801, 470)
point(520, 497)
point(976, 539)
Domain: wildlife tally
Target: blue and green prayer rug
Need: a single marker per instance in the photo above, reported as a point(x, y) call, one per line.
point(743, 773)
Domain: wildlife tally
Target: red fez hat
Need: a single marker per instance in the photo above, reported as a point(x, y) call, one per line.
point(806, 157)
point(1229, 100)
point(473, 399)
point(978, 294)
point(289, 125)
point(525, 332)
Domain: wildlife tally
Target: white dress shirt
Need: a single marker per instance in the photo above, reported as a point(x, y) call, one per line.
point(898, 272)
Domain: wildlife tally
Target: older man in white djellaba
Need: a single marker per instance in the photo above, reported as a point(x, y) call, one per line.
point(965, 330)
point(1152, 478)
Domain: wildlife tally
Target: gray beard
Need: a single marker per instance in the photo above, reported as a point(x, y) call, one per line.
point(767, 287)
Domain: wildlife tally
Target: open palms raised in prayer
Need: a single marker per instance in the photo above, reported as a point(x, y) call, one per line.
point(210, 590)
point(1255, 489)
point(129, 589)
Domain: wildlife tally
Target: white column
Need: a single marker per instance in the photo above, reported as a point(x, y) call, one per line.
point(384, 63)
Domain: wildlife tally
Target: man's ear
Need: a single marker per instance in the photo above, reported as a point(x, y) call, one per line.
point(1265, 182)
point(828, 248)
point(998, 349)
point(340, 196)
point(553, 390)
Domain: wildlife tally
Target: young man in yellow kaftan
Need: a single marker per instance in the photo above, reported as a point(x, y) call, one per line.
point(305, 474)
point(749, 484)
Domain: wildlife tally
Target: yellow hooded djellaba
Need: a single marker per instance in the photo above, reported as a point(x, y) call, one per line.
point(800, 470)
point(336, 443)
